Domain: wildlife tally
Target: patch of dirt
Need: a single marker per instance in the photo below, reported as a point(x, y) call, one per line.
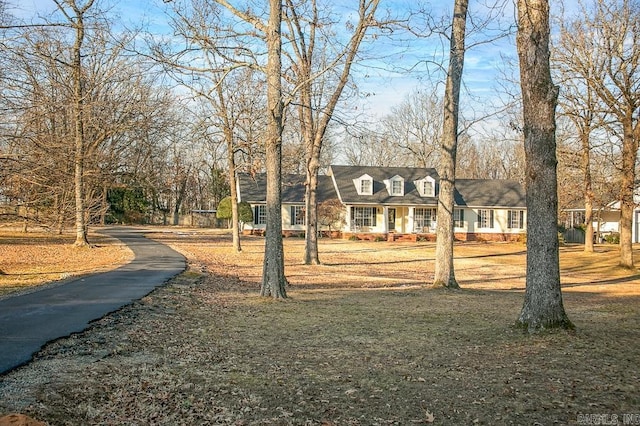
point(361, 341)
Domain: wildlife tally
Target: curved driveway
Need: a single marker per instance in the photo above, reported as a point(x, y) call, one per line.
point(29, 321)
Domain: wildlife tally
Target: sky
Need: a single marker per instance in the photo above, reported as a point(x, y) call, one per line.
point(387, 88)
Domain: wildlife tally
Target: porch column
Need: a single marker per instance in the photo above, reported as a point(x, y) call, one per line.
point(348, 219)
point(410, 226)
point(385, 219)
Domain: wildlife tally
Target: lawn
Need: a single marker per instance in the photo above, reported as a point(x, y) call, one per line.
point(362, 340)
point(30, 259)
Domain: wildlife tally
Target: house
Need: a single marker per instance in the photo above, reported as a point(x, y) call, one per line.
point(606, 219)
point(253, 190)
point(399, 203)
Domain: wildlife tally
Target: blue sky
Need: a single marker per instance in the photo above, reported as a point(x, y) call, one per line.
point(388, 87)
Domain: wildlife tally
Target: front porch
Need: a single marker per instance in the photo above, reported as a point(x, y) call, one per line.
point(390, 236)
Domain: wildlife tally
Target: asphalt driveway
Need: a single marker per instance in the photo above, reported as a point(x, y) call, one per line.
point(29, 321)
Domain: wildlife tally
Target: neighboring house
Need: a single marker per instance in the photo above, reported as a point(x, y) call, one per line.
point(606, 220)
point(400, 202)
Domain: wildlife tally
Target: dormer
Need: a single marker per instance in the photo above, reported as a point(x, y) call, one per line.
point(395, 186)
point(426, 186)
point(364, 185)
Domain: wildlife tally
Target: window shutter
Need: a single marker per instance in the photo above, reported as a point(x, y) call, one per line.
point(491, 219)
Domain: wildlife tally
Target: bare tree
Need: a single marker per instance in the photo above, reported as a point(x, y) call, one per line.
point(370, 147)
point(75, 15)
point(579, 104)
point(444, 269)
point(415, 125)
point(605, 54)
point(318, 95)
point(119, 104)
point(273, 278)
point(224, 78)
point(543, 306)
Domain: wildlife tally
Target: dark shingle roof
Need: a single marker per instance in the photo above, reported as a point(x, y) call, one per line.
point(469, 192)
point(344, 176)
point(253, 189)
point(489, 193)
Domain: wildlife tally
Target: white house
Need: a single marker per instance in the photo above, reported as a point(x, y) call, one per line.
point(398, 203)
point(606, 220)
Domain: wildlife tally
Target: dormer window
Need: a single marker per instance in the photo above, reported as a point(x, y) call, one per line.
point(364, 185)
point(426, 186)
point(395, 186)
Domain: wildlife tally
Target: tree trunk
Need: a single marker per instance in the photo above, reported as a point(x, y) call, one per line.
point(543, 307)
point(588, 191)
point(627, 205)
point(444, 268)
point(104, 205)
point(235, 222)
point(314, 121)
point(311, 255)
point(78, 100)
point(273, 278)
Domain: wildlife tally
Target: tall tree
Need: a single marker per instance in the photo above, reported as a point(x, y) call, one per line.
point(223, 76)
point(605, 51)
point(543, 307)
point(318, 99)
point(273, 278)
point(580, 104)
point(76, 16)
point(444, 268)
point(233, 43)
point(414, 125)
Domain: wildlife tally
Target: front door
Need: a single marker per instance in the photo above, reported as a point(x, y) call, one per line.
point(392, 220)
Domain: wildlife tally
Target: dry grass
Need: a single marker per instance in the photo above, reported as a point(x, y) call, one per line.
point(33, 258)
point(362, 341)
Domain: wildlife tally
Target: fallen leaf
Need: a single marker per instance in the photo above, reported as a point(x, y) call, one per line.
point(429, 417)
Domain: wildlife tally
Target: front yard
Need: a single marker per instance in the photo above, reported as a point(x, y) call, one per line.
point(361, 341)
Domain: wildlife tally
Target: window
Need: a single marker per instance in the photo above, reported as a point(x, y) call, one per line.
point(363, 216)
point(515, 219)
point(485, 218)
point(427, 188)
point(458, 218)
point(297, 215)
point(424, 218)
point(397, 187)
point(366, 187)
point(260, 215)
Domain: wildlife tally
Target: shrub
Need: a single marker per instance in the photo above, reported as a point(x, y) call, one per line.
point(245, 212)
point(612, 238)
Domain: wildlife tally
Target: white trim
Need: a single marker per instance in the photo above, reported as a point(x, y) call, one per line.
point(420, 186)
point(389, 184)
point(358, 184)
